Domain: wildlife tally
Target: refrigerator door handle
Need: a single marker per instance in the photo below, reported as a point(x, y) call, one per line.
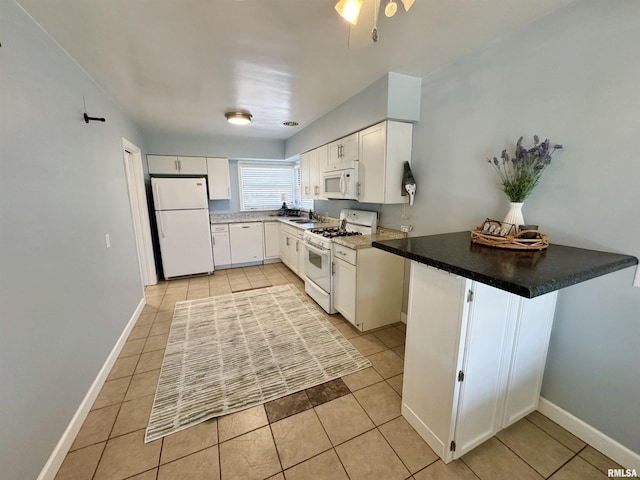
point(160, 224)
point(157, 197)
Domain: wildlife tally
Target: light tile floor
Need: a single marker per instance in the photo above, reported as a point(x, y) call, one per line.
point(350, 428)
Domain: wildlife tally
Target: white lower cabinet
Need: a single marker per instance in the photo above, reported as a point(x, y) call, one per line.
point(271, 242)
point(292, 248)
point(344, 289)
point(221, 246)
point(474, 358)
point(367, 286)
point(246, 243)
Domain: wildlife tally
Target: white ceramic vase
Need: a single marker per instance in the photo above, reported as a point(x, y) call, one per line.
point(514, 215)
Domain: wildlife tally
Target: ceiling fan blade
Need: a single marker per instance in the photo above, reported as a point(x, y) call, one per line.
point(360, 33)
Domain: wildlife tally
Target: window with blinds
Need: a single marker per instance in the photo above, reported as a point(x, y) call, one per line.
point(262, 185)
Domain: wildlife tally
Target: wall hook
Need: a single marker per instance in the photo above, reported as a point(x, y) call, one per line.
point(87, 118)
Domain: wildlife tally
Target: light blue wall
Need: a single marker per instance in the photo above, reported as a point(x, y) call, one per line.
point(572, 77)
point(65, 297)
point(366, 108)
point(394, 96)
point(176, 143)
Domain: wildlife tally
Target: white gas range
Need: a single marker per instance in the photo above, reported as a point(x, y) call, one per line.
point(318, 253)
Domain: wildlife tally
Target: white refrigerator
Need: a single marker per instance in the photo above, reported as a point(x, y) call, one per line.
point(182, 218)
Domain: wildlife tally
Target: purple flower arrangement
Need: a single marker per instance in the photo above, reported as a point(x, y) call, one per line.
point(521, 173)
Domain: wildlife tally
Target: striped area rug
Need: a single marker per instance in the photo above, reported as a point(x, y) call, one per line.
point(232, 352)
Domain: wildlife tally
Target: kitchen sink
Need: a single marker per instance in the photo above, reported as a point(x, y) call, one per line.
point(301, 220)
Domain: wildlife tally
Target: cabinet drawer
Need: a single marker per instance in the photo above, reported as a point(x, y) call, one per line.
point(344, 253)
point(224, 227)
point(289, 230)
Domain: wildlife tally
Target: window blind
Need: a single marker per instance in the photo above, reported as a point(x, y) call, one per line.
point(263, 184)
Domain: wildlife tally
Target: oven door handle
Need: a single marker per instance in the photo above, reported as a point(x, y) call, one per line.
point(318, 250)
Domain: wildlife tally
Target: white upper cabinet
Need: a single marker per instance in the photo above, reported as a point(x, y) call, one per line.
point(322, 160)
point(163, 164)
point(383, 150)
point(312, 165)
point(192, 165)
point(344, 149)
point(305, 174)
point(174, 165)
point(218, 178)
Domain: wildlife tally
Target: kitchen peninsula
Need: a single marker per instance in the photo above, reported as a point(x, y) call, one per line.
point(478, 326)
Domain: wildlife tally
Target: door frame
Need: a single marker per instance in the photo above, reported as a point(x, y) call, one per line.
point(139, 213)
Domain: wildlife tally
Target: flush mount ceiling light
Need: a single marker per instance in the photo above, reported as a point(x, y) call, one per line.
point(363, 16)
point(238, 118)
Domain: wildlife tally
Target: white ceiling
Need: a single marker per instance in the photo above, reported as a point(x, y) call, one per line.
point(178, 65)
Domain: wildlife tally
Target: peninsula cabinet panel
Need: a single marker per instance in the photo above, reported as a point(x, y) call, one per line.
point(474, 358)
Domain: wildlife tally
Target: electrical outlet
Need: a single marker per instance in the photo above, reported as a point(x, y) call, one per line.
point(107, 240)
point(406, 228)
point(636, 282)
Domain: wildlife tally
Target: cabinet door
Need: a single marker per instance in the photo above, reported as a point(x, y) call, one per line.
point(285, 248)
point(218, 178)
point(344, 289)
point(246, 242)
point(344, 149)
point(532, 329)
point(384, 148)
point(271, 240)
point(485, 367)
point(192, 165)
point(334, 152)
point(300, 257)
point(221, 249)
point(372, 164)
point(350, 147)
point(306, 161)
point(435, 314)
point(315, 178)
point(162, 164)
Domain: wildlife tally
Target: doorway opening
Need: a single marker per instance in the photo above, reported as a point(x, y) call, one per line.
point(139, 213)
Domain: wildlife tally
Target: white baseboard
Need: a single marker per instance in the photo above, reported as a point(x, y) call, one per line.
point(64, 444)
point(598, 440)
point(403, 317)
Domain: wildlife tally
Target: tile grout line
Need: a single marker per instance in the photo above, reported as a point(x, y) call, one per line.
point(95, 471)
point(527, 463)
point(218, 448)
point(468, 466)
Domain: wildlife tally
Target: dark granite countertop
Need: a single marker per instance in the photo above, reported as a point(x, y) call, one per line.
point(525, 273)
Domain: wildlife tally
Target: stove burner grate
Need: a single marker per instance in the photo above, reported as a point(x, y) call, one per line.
point(331, 232)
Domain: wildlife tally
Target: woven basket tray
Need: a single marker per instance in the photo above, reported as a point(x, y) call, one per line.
point(512, 242)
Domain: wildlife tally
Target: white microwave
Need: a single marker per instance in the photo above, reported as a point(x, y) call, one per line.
point(340, 181)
